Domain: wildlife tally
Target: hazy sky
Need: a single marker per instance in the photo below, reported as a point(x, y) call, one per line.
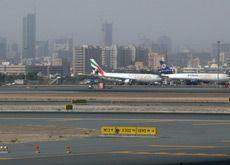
point(197, 23)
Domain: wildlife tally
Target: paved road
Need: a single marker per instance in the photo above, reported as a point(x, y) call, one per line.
point(76, 88)
point(182, 139)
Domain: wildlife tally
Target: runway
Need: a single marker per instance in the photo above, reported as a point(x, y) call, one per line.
point(182, 139)
point(133, 88)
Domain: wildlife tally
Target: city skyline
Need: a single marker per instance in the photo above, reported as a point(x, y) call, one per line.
point(196, 24)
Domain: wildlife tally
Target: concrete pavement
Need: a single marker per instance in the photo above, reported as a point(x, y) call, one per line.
point(182, 138)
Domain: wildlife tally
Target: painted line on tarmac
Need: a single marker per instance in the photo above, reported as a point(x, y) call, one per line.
point(211, 124)
point(225, 141)
point(4, 158)
point(185, 146)
point(190, 154)
point(117, 119)
point(172, 154)
point(60, 155)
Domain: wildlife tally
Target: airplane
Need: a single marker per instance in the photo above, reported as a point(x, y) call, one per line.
point(193, 78)
point(127, 78)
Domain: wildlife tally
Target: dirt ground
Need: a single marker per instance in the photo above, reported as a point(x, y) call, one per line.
point(140, 96)
point(30, 133)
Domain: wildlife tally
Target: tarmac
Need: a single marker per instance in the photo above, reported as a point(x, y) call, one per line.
point(181, 139)
point(113, 88)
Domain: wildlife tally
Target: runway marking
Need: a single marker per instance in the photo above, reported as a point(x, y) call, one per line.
point(171, 153)
point(184, 146)
point(191, 154)
point(4, 158)
point(115, 119)
point(60, 155)
point(221, 123)
point(121, 152)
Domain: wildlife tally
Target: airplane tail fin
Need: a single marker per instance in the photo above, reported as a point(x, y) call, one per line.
point(165, 69)
point(96, 68)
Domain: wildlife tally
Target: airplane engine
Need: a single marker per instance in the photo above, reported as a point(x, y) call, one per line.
point(192, 82)
point(128, 81)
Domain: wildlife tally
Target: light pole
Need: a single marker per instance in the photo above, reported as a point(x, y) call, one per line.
point(218, 63)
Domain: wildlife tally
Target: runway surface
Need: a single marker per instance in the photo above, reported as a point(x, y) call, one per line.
point(133, 88)
point(182, 139)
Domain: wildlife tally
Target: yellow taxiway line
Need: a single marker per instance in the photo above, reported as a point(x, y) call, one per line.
point(185, 146)
point(4, 158)
point(172, 153)
point(207, 124)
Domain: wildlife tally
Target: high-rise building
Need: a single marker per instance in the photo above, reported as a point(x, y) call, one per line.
point(154, 60)
point(3, 49)
point(164, 46)
point(29, 36)
point(109, 57)
point(82, 56)
point(142, 54)
point(78, 60)
point(13, 55)
point(63, 48)
point(222, 58)
point(63, 63)
point(124, 56)
point(42, 48)
point(133, 52)
point(204, 57)
point(115, 56)
point(185, 58)
point(107, 31)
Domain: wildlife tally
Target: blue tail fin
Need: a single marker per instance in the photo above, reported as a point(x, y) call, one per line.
point(165, 69)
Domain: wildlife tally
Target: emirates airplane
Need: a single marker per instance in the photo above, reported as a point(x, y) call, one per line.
point(192, 77)
point(127, 78)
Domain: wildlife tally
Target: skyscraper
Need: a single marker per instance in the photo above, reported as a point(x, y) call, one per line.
point(63, 48)
point(109, 57)
point(3, 49)
point(29, 36)
point(82, 56)
point(124, 56)
point(107, 31)
point(164, 46)
point(42, 48)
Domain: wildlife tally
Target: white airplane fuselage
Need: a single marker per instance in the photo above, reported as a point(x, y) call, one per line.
point(138, 77)
point(198, 76)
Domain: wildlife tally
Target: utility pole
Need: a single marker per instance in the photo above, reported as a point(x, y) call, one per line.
point(218, 62)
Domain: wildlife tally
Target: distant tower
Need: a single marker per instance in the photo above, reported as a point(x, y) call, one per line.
point(107, 31)
point(164, 46)
point(3, 49)
point(29, 36)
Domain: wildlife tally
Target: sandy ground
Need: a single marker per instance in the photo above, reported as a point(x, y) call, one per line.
point(117, 102)
point(140, 96)
point(30, 133)
point(121, 108)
